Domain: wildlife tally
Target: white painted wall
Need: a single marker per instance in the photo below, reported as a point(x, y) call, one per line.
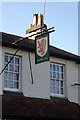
point(72, 77)
point(41, 76)
point(40, 87)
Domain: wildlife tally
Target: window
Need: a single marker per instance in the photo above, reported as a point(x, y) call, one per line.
point(56, 79)
point(12, 73)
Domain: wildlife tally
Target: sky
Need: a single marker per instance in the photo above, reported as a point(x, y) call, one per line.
point(17, 16)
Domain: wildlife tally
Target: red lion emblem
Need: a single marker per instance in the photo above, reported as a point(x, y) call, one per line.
point(42, 46)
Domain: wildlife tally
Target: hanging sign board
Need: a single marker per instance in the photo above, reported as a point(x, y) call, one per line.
point(42, 48)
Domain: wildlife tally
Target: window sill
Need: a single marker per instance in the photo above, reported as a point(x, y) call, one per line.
point(57, 95)
point(60, 98)
point(12, 92)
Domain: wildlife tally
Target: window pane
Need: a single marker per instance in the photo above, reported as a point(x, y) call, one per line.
point(57, 90)
point(16, 85)
point(50, 89)
point(50, 74)
point(61, 90)
point(12, 61)
point(11, 67)
point(6, 67)
point(61, 76)
point(10, 76)
point(57, 68)
point(16, 77)
point(9, 84)
point(50, 67)
point(5, 83)
point(61, 68)
point(54, 74)
point(16, 68)
point(54, 67)
point(6, 58)
point(57, 83)
point(57, 76)
point(52, 82)
point(5, 75)
point(17, 61)
point(54, 90)
point(61, 83)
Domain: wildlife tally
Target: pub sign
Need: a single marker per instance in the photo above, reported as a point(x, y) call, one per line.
point(42, 48)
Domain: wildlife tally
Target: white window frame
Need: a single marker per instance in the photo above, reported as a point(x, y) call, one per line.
point(54, 94)
point(14, 89)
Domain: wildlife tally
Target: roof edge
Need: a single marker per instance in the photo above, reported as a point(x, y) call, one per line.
point(8, 39)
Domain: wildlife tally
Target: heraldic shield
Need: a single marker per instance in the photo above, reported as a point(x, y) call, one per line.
point(42, 48)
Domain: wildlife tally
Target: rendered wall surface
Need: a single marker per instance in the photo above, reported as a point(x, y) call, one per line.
point(41, 84)
point(71, 78)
